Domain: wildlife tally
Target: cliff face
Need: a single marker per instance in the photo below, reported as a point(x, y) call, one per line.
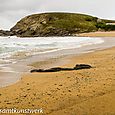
point(54, 24)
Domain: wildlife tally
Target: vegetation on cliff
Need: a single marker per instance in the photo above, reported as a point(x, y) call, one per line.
point(55, 24)
point(59, 24)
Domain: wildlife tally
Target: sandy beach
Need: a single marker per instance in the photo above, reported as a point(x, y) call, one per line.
point(98, 34)
point(57, 57)
point(83, 92)
point(12, 72)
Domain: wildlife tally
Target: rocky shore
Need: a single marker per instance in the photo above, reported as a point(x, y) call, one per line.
point(6, 33)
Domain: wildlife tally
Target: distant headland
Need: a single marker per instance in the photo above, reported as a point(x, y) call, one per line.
point(58, 24)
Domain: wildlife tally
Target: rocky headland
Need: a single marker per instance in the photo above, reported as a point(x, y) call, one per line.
point(58, 24)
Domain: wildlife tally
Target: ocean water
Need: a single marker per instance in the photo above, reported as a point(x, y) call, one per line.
point(14, 48)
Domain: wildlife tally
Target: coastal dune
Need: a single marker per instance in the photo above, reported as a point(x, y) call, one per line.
point(89, 92)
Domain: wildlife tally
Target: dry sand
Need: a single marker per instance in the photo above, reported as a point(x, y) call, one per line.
point(98, 34)
point(83, 92)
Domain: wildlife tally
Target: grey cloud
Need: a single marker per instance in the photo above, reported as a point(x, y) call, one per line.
point(19, 5)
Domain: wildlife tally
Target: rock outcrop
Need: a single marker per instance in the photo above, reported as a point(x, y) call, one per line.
point(6, 33)
point(56, 69)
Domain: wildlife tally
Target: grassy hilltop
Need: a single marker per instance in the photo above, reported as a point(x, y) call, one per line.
point(58, 24)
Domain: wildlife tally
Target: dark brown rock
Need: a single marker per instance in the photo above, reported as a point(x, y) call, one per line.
point(56, 69)
point(82, 66)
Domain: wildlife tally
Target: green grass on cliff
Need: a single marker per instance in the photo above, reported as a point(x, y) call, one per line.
point(70, 21)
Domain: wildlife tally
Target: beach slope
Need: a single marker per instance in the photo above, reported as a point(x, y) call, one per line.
point(83, 92)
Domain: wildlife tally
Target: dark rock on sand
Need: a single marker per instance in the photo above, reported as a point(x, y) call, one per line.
point(56, 69)
point(82, 66)
point(51, 69)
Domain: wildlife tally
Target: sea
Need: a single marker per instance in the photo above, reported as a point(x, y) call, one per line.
point(14, 48)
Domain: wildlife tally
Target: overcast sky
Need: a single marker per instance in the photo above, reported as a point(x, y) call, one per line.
point(12, 11)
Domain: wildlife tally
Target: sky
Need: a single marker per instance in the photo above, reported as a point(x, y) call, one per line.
point(12, 11)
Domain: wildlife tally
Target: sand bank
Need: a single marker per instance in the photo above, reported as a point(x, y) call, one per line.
point(83, 92)
point(98, 34)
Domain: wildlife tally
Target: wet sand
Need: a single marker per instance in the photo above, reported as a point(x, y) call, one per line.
point(83, 92)
point(47, 60)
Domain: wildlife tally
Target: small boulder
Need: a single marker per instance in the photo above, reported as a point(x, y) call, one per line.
point(37, 70)
point(82, 66)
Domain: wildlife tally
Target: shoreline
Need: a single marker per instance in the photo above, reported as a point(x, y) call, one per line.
point(59, 58)
point(89, 91)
